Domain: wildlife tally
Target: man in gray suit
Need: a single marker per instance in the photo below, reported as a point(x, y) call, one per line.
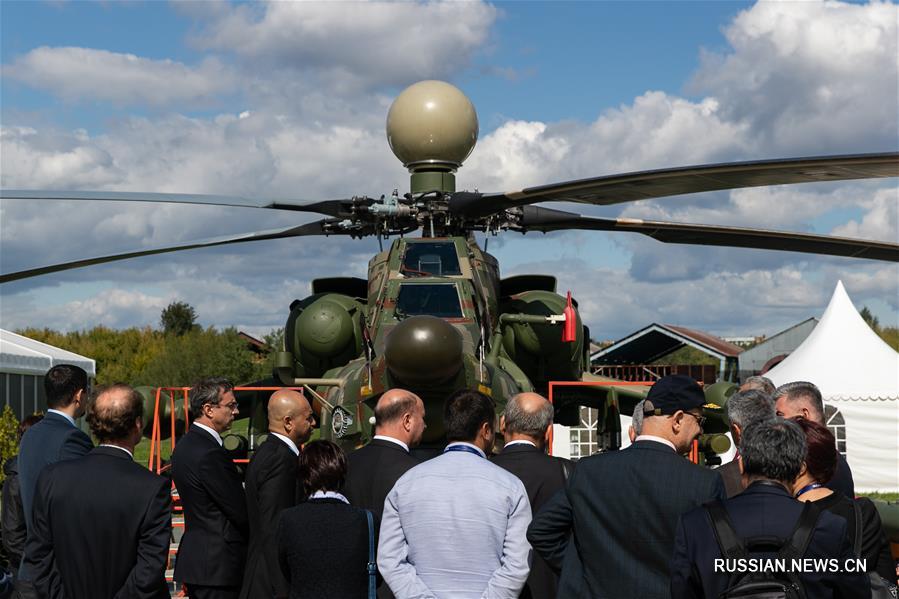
point(743, 409)
point(476, 510)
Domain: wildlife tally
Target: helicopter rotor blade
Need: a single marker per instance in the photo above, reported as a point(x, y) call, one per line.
point(630, 187)
point(535, 218)
point(313, 228)
point(342, 208)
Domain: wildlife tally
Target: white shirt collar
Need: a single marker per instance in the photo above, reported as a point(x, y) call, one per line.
point(392, 440)
point(63, 414)
point(329, 495)
point(131, 455)
point(521, 442)
point(293, 446)
point(657, 440)
point(211, 431)
point(479, 450)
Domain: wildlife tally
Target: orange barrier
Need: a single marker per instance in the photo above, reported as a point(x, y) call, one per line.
point(694, 450)
point(553, 384)
point(154, 462)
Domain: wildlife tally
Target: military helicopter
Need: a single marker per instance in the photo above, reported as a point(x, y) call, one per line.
point(434, 314)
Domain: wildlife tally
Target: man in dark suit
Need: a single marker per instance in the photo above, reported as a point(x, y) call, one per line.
point(802, 399)
point(744, 408)
point(773, 452)
point(271, 487)
point(526, 425)
point(12, 516)
point(622, 507)
point(54, 439)
point(101, 523)
point(372, 470)
point(211, 555)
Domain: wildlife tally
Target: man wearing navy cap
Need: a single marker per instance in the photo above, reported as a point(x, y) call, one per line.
point(622, 507)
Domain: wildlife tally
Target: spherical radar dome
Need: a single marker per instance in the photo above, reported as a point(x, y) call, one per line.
point(432, 123)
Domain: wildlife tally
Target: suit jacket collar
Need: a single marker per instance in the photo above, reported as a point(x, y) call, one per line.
point(330, 500)
point(203, 433)
point(652, 446)
point(520, 448)
point(285, 441)
point(766, 488)
point(113, 452)
point(388, 445)
point(57, 416)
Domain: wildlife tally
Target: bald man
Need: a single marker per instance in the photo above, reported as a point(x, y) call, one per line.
point(526, 425)
point(101, 523)
point(373, 469)
point(271, 487)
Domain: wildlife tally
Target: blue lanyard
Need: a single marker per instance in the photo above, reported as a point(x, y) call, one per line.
point(807, 488)
point(465, 448)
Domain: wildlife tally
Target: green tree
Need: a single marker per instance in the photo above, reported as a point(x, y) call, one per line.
point(869, 318)
point(9, 437)
point(202, 352)
point(891, 336)
point(121, 355)
point(178, 318)
point(686, 355)
point(275, 339)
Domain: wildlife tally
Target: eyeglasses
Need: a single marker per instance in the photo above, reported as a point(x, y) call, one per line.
point(228, 406)
point(699, 418)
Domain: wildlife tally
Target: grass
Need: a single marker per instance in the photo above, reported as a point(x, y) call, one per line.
point(881, 496)
point(142, 451)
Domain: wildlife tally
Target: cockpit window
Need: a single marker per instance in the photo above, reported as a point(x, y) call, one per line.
point(441, 300)
point(436, 259)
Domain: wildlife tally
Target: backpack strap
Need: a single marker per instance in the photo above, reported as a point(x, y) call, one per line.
point(372, 564)
point(730, 544)
point(797, 544)
point(857, 544)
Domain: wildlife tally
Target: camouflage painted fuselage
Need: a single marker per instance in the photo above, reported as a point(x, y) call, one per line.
point(342, 331)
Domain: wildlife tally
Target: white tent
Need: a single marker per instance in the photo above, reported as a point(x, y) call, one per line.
point(858, 375)
point(26, 356)
point(23, 364)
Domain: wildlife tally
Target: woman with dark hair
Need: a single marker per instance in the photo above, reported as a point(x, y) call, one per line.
point(323, 542)
point(818, 468)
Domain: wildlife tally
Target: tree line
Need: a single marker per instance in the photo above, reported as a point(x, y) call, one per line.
point(176, 354)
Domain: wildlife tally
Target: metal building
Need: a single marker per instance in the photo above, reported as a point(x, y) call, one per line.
point(655, 341)
point(773, 349)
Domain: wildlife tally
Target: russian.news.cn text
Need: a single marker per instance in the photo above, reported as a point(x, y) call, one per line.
point(799, 566)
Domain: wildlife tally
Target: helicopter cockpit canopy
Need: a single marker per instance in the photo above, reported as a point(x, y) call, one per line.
point(432, 258)
point(432, 299)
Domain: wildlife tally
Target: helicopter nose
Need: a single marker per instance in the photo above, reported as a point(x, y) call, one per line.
point(424, 350)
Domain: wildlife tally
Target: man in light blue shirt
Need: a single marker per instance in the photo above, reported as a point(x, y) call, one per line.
point(454, 526)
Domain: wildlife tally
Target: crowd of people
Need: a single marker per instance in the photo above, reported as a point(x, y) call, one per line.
point(307, 521)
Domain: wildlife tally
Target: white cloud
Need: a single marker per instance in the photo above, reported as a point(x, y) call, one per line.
point(311, 127)
point(115, 308)
point(358, 45)
point(806, 73)
point(615, 304)
point(880, 221)
point(124, 79)
point(657, 130)
point(50, 160)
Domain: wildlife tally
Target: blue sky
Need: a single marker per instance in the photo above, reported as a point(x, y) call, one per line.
point(289, 100)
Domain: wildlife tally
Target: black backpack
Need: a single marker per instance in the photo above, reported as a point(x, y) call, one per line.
point(763, 585)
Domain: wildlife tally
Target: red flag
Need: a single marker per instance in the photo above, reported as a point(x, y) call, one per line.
point(569, 329)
